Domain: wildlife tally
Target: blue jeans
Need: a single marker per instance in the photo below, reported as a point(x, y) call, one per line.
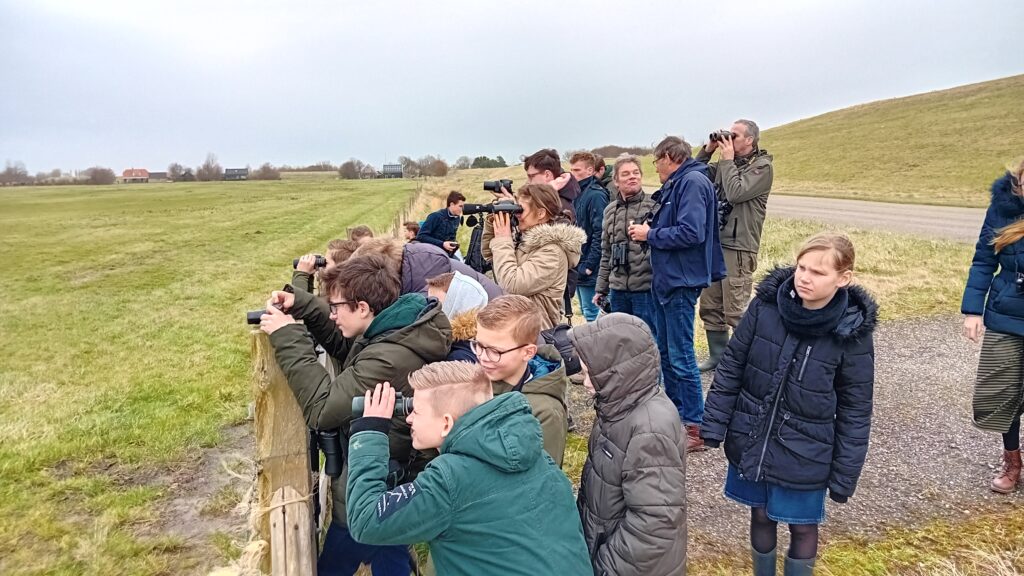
point(586, 296)
point(342, 556)
point(674, 328)
point(637, 304)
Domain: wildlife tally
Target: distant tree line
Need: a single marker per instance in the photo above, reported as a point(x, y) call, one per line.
point(612, 151)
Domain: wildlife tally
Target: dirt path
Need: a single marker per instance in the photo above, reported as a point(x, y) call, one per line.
point(961, 224)
point(926, 460)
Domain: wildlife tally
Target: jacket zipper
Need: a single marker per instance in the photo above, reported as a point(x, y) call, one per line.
point(775, 408)
point(734, 228)
point(803, 366)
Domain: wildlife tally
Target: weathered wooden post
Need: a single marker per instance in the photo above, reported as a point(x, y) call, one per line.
point(283, 479)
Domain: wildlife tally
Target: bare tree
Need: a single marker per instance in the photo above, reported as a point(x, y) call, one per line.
point(351, 169)
point(462, 163)
point(210, 170)
point(175, 171)
point(100, 175)
point(410, 168)
point(432, 166)
point(14, 173)
point(266, 172)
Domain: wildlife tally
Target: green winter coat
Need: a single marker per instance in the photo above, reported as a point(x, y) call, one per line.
point(546, 392)
point(400, 340)
point(491, 503)
point(303, 280)
point(745, 183)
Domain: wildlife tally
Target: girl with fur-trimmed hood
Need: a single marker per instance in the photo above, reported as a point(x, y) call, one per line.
point(792, 399)
point(536, 263)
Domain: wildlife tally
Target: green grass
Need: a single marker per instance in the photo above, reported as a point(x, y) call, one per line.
point(987, 544)
point(944, 147)
point(125, 349)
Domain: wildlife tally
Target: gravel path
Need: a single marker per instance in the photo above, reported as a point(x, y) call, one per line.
point(953, 223)
point(926, 460)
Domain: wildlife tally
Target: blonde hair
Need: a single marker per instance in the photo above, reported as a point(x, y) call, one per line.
point(340, 250)
point(837, 244)
point(517, 314)
point(391, 249)
point(457, 387)
point(1013, 232)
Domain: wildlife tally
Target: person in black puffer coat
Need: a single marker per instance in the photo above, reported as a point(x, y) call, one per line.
point(792, 399)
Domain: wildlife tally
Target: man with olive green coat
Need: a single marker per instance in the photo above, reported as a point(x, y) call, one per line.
point(743, 179)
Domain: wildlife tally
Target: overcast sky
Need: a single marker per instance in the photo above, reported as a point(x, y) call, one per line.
point(147, 83)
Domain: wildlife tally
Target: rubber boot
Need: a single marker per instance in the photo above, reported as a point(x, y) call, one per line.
point(764, 564)
point(1009, 475)
point(717, 343)
point(794, 567)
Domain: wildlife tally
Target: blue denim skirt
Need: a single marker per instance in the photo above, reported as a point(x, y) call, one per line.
point(781, 504)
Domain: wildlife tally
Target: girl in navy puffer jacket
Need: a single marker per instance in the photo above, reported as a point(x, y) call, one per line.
point(792, 399)
point(994, 300)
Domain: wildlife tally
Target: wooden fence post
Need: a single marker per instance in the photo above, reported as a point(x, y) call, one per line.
point(283, 481)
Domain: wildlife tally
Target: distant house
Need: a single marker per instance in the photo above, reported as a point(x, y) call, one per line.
point(135, 176)
point(236, 174)
point(158, 176)
point(391, 171)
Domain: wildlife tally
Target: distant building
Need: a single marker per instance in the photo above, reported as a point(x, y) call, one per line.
point(236, 174)
point(158, 176)
point(391, 171)
point(135, 176)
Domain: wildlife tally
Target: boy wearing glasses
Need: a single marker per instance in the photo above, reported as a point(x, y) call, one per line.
point(506, 348)
point(378, 337)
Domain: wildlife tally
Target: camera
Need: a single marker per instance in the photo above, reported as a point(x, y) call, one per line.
point(604, 304)
point(403, 405)
point(254, 316)
point(320, 262)
point(724, 209)
point(497, 185)
point(722, 135)
point(329, 442)
point(620, 256)
point(506, 206)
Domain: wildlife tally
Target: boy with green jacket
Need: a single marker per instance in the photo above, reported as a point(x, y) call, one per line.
point(491, 503)
point(377, 336)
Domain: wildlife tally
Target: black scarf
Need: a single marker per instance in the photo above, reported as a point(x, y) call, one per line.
point(800, 320)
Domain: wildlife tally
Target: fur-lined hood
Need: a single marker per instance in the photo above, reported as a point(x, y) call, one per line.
point(568, 237)
point(859, 319)
point(1004, 201)
point(464, 325)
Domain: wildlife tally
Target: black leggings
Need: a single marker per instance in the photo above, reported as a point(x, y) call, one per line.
point(1011, 439)
point(803, 538)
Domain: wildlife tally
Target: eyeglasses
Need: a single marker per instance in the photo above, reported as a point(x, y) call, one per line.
point(656, 158)
point(491, 354)
point(334, 305)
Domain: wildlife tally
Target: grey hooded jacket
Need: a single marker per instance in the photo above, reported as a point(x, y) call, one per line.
point(632, 498)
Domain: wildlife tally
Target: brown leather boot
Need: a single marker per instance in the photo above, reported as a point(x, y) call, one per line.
point(1008, 477)
point(694, 443)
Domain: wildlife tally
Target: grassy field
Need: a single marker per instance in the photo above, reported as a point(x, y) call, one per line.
point(125, 349)
point(944, 147)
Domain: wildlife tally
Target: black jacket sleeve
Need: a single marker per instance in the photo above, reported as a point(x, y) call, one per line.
point(430, 232)
point(854, 400)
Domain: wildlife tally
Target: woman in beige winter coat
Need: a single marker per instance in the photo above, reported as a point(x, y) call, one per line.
point(534, 260)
